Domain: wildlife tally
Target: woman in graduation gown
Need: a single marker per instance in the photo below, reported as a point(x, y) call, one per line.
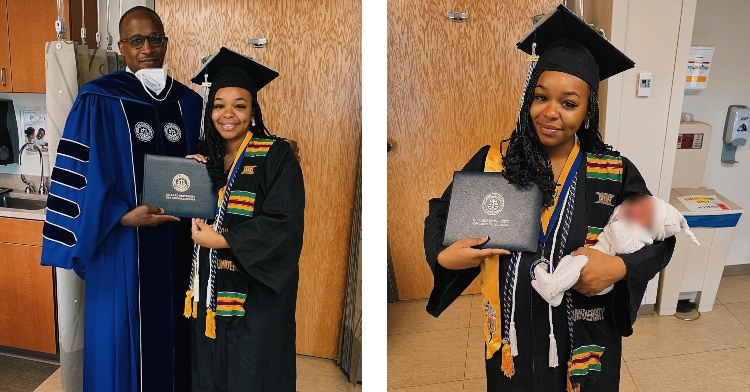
point(243, 286)
point(556, 145)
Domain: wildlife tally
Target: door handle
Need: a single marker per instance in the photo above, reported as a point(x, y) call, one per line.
point(2, 77)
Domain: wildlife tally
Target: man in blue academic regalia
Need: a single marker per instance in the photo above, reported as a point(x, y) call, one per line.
point(135, 260)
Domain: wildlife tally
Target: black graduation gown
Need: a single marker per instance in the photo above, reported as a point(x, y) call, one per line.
point(256, 352)
point(532, 371)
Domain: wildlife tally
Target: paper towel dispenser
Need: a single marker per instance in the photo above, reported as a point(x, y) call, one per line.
point(8, 133)
point(736, 132)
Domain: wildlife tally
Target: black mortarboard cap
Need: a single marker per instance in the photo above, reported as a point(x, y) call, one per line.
point(565, 43)
point(231, 69)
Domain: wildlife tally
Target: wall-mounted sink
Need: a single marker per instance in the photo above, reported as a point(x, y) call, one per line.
point(22, 204)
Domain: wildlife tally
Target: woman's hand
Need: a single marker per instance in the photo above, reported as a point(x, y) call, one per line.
point(600, 272)
point(205, 236)
point(198, 157)
point(462, 255)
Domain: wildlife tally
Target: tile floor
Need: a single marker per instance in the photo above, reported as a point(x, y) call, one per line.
point(664, 354)
point(313, 375)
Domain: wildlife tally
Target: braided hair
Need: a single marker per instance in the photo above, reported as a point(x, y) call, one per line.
point(525, 160)
point(212, 144)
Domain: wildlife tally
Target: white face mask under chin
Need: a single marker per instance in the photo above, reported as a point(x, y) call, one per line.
point(154, 79)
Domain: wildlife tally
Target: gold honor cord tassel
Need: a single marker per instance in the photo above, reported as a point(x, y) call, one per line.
point(507, 365)
point(210, 323)
point(188, 304)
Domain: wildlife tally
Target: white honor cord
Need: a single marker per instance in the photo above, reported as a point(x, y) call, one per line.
point(513, 339)
point(196, 277)
point(209, 283)
point(553, 361)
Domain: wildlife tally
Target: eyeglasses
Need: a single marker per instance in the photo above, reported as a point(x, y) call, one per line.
point(137, 41)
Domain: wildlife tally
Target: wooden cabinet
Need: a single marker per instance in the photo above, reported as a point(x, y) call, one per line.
point(5, 84)
point(27, 301)
point(25, 26)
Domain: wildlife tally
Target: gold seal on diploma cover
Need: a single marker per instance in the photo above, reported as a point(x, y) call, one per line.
point(493, 203)
point(181, 183)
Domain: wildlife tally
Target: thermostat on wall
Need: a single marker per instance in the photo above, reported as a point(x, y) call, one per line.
point(644, 84)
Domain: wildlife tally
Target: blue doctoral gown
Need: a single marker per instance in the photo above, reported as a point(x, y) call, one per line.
point(135, 337)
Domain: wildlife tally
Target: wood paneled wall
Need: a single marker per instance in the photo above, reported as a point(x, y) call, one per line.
point(452, 88)
point(316, 47)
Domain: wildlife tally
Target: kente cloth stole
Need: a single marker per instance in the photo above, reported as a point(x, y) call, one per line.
point(603, 184)
point(490, 267)
point(232, 202)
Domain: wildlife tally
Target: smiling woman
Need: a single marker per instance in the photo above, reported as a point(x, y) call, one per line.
point(559, 110)
point(248, 258)
point(556, 145)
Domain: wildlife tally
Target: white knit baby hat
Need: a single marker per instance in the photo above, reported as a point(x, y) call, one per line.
point(668, 221)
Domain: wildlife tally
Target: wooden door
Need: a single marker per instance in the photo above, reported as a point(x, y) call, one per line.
point(6, 84)
point(30, 25)
point(315, 46)
point(452, 88)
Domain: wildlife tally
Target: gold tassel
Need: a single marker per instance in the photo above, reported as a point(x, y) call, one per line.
point(507, 359)
point(570, 387)
point(188, 304)
point(195, 309)
point(210, 323)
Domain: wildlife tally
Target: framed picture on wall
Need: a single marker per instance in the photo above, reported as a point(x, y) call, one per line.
point(33, 123)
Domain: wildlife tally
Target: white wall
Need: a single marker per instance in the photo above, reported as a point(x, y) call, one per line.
point(656, 36)
point(723, 24)
point(645, 124)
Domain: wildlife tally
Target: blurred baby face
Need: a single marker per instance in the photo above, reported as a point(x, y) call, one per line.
point(639, 210)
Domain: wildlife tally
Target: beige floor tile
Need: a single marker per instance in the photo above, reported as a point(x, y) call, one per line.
point(477, 311)
point(475, 354)
point(410, 316)
point(662, 336)
point(313, 375)
point(52, 384)
point(741, 310)
point(437, 356)
point(475, 385)
point(358, 388)
point(725, 370)
point(319, 375)
point(626, 380)
point(456, 386)
point(734, 289)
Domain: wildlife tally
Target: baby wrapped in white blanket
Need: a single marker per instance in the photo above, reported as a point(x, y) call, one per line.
point(637, 222)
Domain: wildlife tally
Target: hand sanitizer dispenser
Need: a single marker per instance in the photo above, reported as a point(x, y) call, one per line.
point(736, 131)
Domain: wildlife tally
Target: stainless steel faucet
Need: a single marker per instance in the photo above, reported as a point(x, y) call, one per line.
point(30, 188)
